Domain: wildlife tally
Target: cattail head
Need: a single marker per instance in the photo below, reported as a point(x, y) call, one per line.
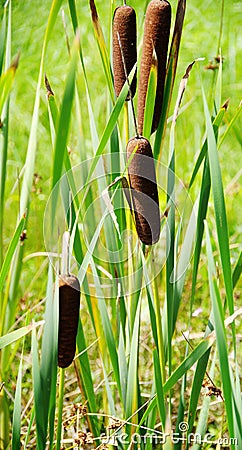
point(69, 304)
point(156, 38)
point(142, 180)
point(124, 42)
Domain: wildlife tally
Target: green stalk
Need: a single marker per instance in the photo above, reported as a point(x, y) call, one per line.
point(5, 125)
point(159, 330)
point(60, 408)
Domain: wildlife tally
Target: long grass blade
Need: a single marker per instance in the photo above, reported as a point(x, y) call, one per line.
point(87, 380)
point(132, 379)
point(178, 373)
point(9, 338)
point(159, 389)
point(220, 335)
point(237, 270)
point(102, 47)
point(5, 40)
point(150, 99)
point(230, 125)
point(219, 207)
point(216, 123)
point(204, 413)
point(4, 420)
point(39, 413)
point(3, 37)
point(16, 443)
point(63, 125)
point(6, 82)
point(48, 364)
point(10, 252)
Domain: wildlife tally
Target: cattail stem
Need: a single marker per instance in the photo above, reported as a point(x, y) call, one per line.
point(60, 408)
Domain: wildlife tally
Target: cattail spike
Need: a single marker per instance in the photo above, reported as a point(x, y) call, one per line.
point(124, 36)
point(144, 193)
point(156, 38)
point(69, 304)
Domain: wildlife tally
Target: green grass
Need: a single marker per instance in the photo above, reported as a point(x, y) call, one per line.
point(59, 158)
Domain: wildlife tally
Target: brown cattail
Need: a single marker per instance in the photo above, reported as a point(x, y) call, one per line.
point(124, 47)
point(142, 180)
point(156, 38)
point(69, 304)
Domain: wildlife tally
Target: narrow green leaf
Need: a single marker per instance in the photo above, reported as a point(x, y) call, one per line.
point(16, 428)
point(237, 270)
point(220, 335)
point(5, 46)
point(180, 270)
point(132, 387)
point(39, 413)
point(48, 365)
point(193, 357)
point(102, 47)
point(6, 82)
point(216, 123)
point(201, 216)
point(219, 207)
point(72, 8)
point(170, 237)
point(9, 338)
point(31, 420)
point(230, 125)
point(159, 389)
point(122, 365)
point(3, 38)
point(110, 398)
point(4, 420)
point(107, 327)
point(63, 125)
point(150, 99)
point(10, 252)
point(86, 377)
point(196, 388)
point(202, 424)
point(188, 362)
point(110, 340)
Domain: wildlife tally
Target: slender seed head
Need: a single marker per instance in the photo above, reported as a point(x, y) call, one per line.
point(69, 304)
point(156, 38)
point(144, 193)
point(124, 41)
